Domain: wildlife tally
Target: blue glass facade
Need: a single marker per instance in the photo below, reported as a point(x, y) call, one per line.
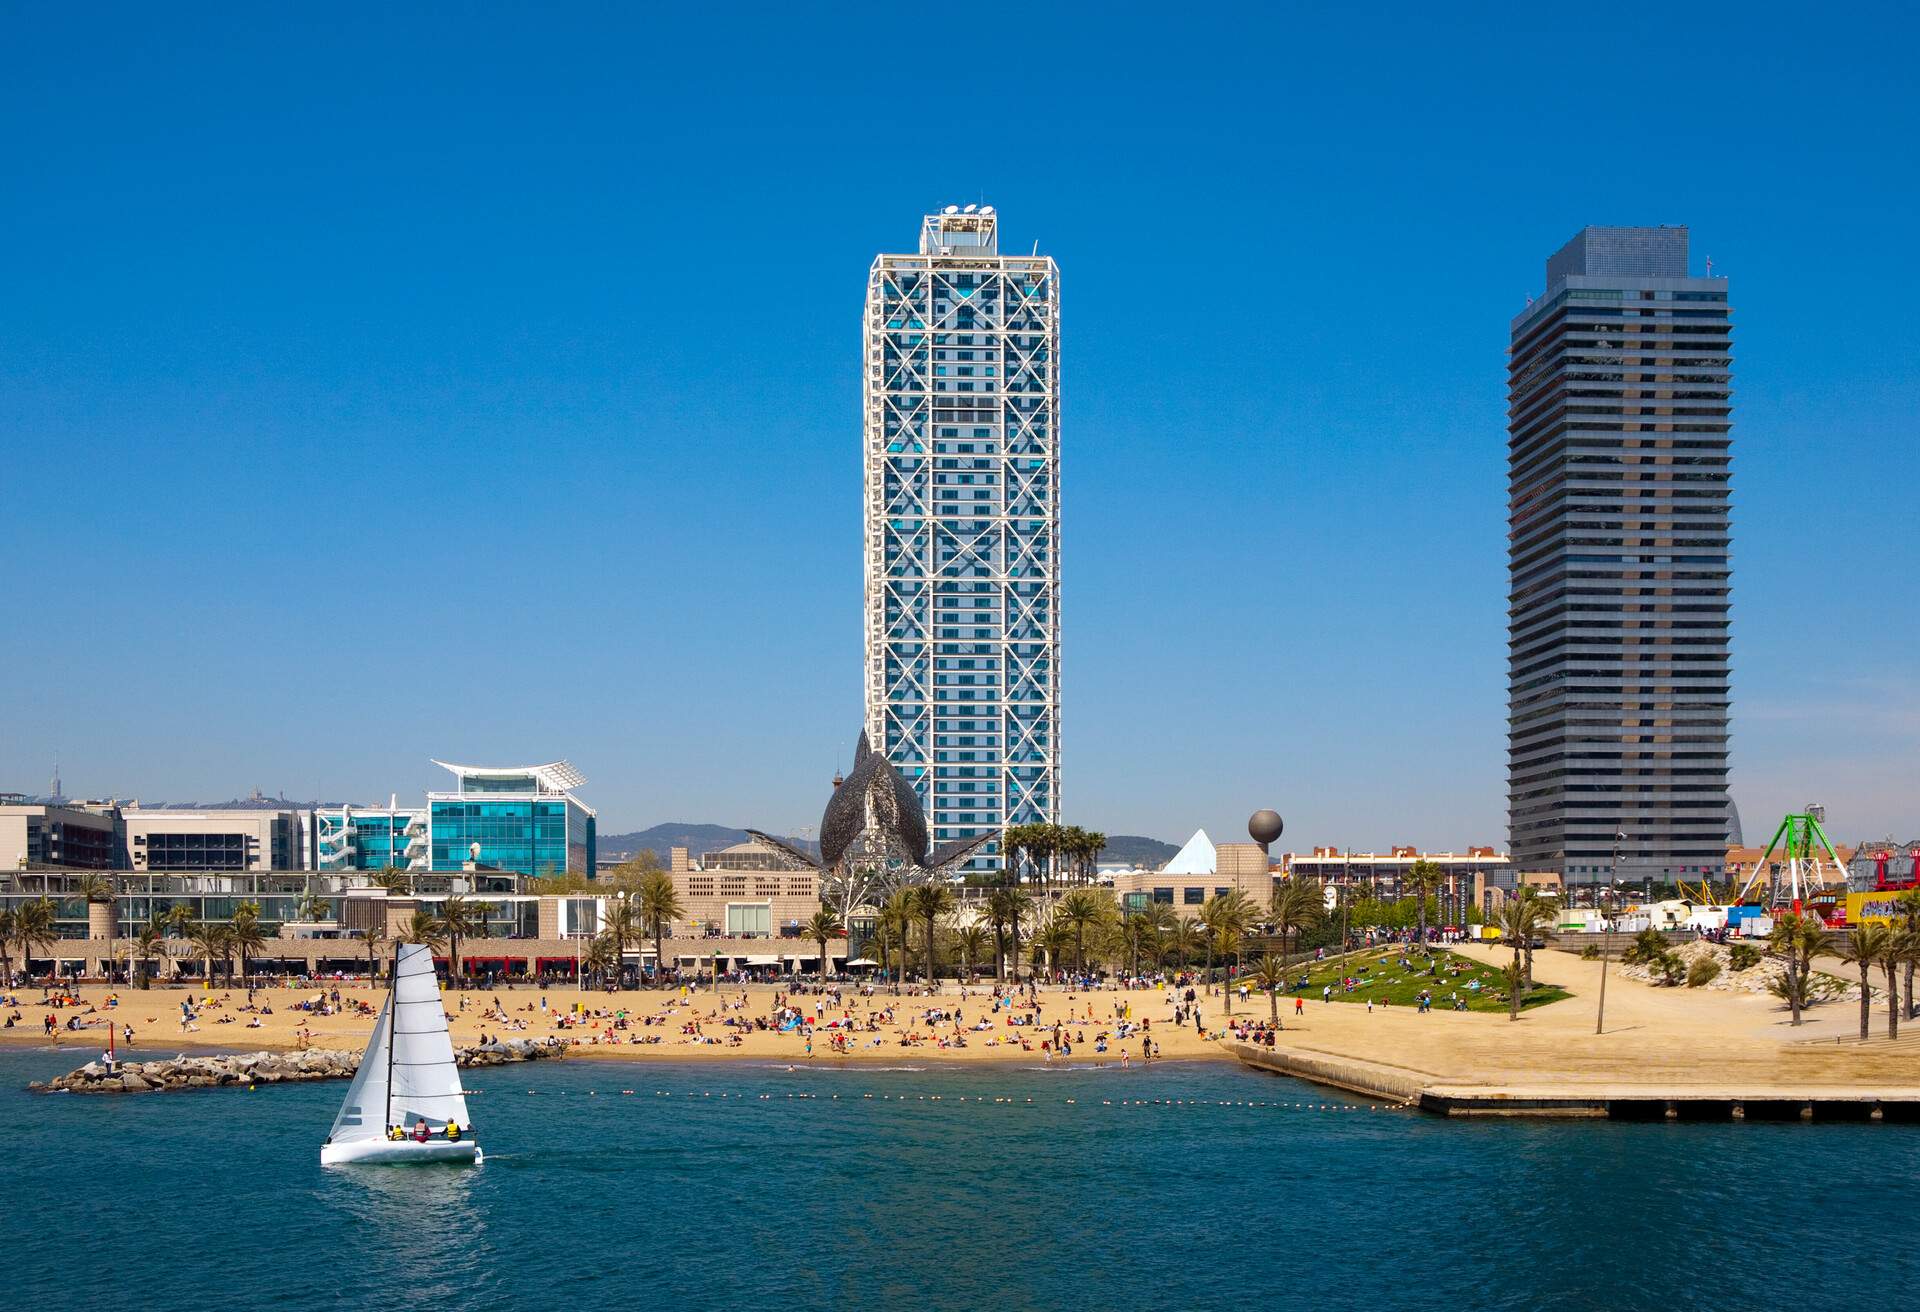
point(535, 836)
point(363, 840)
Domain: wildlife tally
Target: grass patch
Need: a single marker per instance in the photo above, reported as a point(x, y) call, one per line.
point(1387, 982)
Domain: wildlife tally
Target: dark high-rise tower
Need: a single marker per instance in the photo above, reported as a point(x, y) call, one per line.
point(1619, 405)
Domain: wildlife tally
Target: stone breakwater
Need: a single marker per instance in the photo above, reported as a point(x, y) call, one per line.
point(247, 1068)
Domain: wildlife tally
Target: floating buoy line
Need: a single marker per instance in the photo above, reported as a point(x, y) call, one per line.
point(985, 1100)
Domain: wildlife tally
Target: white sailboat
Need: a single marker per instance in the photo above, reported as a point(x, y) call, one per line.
point(406, 1078)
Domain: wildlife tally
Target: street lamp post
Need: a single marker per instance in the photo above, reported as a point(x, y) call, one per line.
point(1600, 1018)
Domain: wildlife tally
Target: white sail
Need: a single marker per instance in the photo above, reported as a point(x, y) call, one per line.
point(363, 1115)
point(424, 1084)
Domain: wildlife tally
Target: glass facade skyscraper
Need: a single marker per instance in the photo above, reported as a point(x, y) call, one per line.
point(523, 818)
point(962, 515)
point(1619, 451)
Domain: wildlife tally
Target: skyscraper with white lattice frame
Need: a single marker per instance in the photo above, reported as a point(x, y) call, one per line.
point(962, 444)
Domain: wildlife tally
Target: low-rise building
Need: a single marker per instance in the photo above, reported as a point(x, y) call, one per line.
point(58, 836)
point(1200, 870)
point(168, 841)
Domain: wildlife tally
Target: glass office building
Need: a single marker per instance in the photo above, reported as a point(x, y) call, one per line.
point(370, 838)
point(1618, 451)
point(962, 517)
point(520, 818)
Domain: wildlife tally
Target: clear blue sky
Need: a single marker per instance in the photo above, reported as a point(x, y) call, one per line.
point(376, 387)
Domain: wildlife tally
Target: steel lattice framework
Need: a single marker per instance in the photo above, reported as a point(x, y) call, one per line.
point(962, 440)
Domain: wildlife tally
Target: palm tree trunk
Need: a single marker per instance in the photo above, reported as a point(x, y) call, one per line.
point(1893, 999)
point(453, 958)
point(1016, 949)
point(1909, 973)
point(1866, 996)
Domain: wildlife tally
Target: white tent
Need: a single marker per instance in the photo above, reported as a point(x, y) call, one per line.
point(1196, 858)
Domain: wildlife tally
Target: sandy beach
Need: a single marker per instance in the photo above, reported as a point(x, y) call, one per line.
point(1665, 1034)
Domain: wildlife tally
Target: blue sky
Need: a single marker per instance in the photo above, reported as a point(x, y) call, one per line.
point(384, 385)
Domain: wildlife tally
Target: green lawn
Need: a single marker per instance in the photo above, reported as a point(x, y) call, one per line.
point(1386, 982)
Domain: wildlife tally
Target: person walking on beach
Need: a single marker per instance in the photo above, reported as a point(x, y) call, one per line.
point(1299, 1006)
point(1326, 993)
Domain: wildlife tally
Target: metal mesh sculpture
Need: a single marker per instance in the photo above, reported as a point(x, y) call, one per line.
point(873, 838)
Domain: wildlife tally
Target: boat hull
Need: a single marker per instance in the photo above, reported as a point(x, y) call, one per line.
point(388, 1152)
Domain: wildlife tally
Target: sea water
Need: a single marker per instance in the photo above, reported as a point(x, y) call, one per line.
point(1182, 1185)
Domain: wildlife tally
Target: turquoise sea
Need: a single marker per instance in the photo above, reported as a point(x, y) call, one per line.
point(1181, 1186)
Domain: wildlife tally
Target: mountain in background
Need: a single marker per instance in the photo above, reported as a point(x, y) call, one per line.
point(697, 839)
point(1134, 850)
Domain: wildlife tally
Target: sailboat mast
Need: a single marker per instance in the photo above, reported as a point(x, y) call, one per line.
point(393, 984)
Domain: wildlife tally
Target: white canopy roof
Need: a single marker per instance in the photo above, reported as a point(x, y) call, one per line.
point(1196, 858)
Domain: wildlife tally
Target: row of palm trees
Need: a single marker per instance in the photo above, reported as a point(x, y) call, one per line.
point(1066, 851)
point(1083, 927)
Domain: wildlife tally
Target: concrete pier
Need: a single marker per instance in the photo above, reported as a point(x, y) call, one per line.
point(1612, 1100)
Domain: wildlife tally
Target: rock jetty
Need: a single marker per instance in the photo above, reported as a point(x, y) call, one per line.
point(249, 1068)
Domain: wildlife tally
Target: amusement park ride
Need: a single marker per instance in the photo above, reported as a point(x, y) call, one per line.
point(1801, 840)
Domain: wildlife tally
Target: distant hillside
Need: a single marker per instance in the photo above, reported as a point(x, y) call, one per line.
point(697, 839)
point(1134, 850)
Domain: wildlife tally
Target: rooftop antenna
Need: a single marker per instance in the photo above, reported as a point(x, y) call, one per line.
point(1709, 266)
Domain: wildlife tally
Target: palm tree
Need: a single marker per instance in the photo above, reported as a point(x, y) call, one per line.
point(1909, 919)
point(1297, 905)
point(970, 942)
point(659, 908)
point(393, 880)
point(1015, 842)
point(821, 926)
point(1524, 916)
point(1015, 904)
point(1225, 915)
point(1079, 909)
point(1515, 978)
point(1519, 921)
point(146, 945)
point(1185, 936)
point(179, 919)
point(622, 926)
point(1270, 973)
point(1797, 939)
point(930, 902)
point(424, 929)
point(1866, 947)
point(1051, 941)
point(34, 927)
point(600, 955)
point(376, 941)
point(1423, 880)
point(998, 913)
point(1897, 949)
point(9, 919)
point(245, 936)
point(897, 916)
point(97, 890)
point(457, 917)
point(209, 940)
